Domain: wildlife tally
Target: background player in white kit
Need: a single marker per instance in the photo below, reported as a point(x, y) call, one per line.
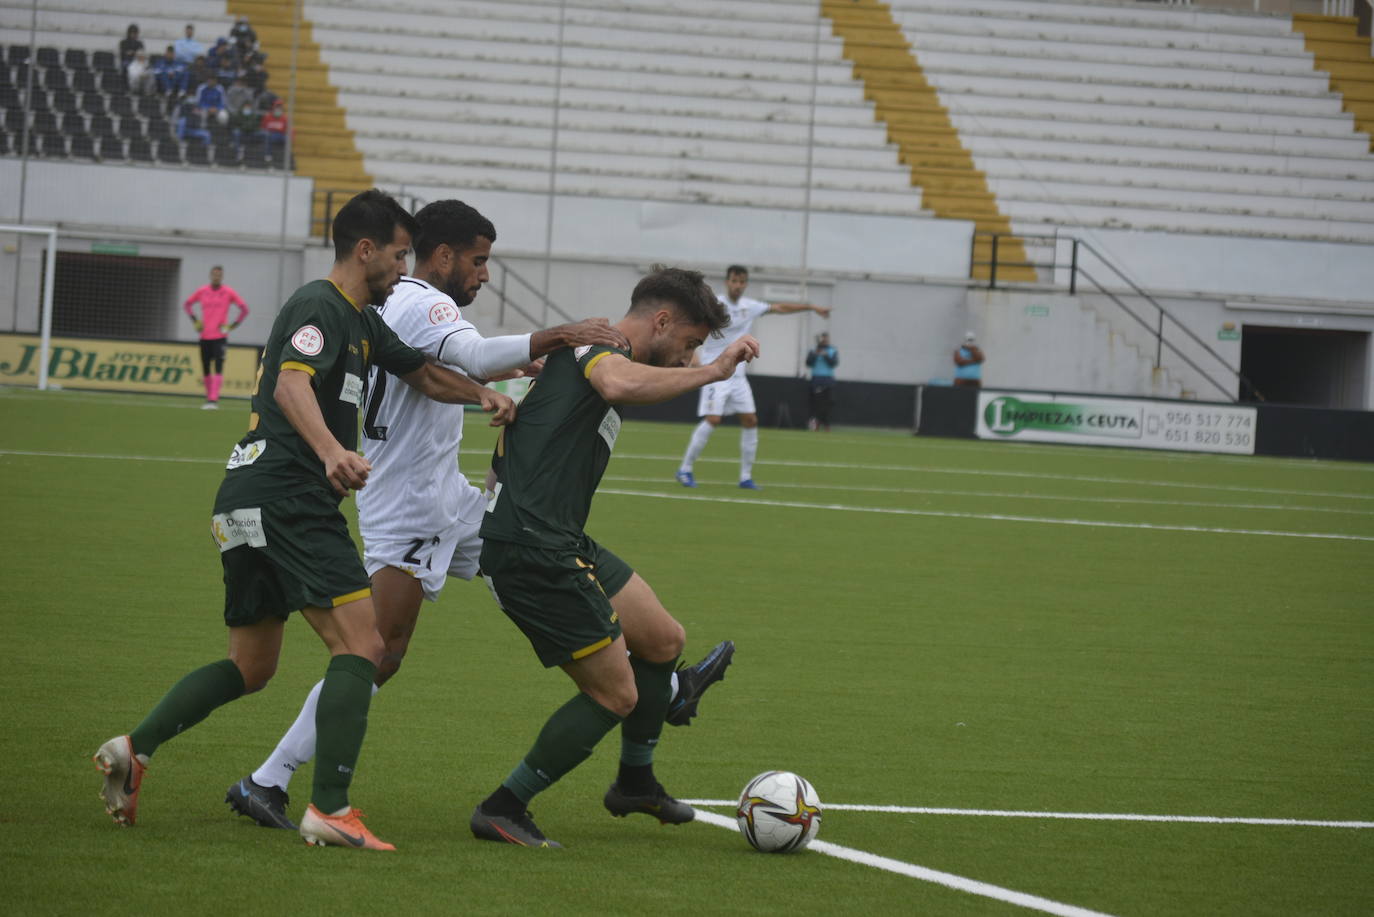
point(418, 515)
point(733, 396)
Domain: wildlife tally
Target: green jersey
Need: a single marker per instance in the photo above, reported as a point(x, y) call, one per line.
point(550, 461)
point(319, 331)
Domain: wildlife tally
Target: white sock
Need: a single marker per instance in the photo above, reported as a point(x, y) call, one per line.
point(697, 443)
point(673, 681)
point(748, 449)
point(296, 747)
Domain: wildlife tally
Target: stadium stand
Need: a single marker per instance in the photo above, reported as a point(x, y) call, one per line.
point(1156, 119)
point(77, 90)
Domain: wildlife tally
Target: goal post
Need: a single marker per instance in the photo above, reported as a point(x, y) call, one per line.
point(46, 284)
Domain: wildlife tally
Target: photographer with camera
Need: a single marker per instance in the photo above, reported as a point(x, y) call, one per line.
point(822, 361)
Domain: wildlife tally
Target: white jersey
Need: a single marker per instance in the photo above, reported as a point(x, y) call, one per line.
point(416, 489)
point(743, 314)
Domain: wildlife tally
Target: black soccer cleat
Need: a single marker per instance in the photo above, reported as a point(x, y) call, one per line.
point(266, 805)
point(509, 829)
point(658, 803)
point(693, 680)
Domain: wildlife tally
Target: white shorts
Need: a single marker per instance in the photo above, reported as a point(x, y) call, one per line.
point(431, 559)
point(733, 396)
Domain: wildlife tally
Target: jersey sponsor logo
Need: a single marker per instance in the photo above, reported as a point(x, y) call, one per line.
point(246, 454)
point(352, 390)
point(308, 340)
point(610, 428)
point(491, 504)
point(443, 313)
point(240, 527)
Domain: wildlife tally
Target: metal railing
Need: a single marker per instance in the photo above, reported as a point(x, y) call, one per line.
point(334, 198)
point(1076, 269)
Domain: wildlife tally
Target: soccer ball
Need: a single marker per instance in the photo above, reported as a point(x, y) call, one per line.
point(779, 812)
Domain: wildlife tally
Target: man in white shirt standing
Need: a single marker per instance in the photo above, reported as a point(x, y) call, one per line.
point(418, 515)
point(734, 396)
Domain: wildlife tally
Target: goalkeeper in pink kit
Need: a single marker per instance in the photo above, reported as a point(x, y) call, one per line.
point(214, 327)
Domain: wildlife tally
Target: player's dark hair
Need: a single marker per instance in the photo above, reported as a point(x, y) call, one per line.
point(370, 215)
point(685, 290)
point(734, 269)
point(451, 223)
point(216, 267)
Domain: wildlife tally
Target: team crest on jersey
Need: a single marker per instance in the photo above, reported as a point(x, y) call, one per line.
point(443, 313)
point(309, 340)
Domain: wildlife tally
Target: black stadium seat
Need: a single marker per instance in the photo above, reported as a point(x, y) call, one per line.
point(38, 100)
point(4, 144)
point(48, 57)
point(73, 123)
point(18, 53)
point(140, 151)
point(169, 152)
point(113, 82)
point(160, 129)
point(83, 147)
point(45, 122)
point(104, 61)
point(84, 81)
point(64, 100)
point(55, 145)
point(56, 78)
point(93, 103)
point(14, 120)
point(121, 106)
point(151, 107)
point(102, 126)
point(226, 155)
point(197, 153)
point(75, 59)
point(10, 98)
point(112, 148)
point(130, 128)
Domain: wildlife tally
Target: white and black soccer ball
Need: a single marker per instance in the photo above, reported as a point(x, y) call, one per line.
point(779, 812)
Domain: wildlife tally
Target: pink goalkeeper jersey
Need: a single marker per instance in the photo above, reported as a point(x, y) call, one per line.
point(214, 309)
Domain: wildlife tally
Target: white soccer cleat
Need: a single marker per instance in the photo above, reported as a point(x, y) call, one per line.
point(123, 772)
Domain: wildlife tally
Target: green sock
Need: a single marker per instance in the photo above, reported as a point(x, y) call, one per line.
point(340, 724)
point(566, 740)
point(191, 700)
point(641, 729)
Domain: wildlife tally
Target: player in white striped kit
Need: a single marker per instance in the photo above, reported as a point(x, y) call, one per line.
point(418, 515)
point(733, 396)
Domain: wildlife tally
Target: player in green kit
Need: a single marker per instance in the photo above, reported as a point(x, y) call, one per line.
point(283, 543)
point(582, 608)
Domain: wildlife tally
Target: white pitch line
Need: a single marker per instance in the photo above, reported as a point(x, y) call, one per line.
point(947, 879)
point(1078, 816)
point(837, 507)
point(991, 517)
point(1033, 475)
point(1061, 498)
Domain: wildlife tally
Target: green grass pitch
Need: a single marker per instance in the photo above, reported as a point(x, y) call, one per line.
point(920, 623)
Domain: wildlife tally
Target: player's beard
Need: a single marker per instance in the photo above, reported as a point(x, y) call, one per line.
point(379, 288)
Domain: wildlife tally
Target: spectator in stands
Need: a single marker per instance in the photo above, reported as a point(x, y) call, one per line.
point(244, 37)
point(170, 73)
point(274, 126)
point(188, 49)
point(190, 124)
point(130, 46)
point(238, 95)
point(140, 75)
point(244, 123)
point(822, 361)
point(255, 71)
point(198, 74)
point(968, 363)
point(224, 60)
point(211, 102)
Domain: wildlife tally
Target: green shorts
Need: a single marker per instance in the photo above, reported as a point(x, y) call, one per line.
point(286, 555)
point(559, 598)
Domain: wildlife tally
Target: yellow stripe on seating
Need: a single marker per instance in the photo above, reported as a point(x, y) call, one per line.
point(1338, 51)
point(921, 128)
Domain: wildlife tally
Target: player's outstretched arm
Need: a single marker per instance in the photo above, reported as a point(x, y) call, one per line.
point(787, 308)
point(596, 332)
point(621, 381)
point(445, 385)
point(345, 470)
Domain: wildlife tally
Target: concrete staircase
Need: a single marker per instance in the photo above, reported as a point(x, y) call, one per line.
point(1341, 51)
point(323, 145)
